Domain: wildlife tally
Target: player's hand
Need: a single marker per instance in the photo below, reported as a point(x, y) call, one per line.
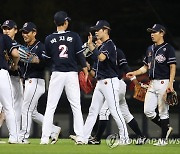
point(130, 75)
point(85, 70)
point(170, 88)
point(90, 42)
point(35, 59)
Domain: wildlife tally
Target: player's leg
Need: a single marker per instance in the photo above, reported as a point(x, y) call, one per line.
point(73, 95)
point(103, 120)
point(110, 89)
point(38, 118)
point(18, 97)
point(34, 88)
point(163, 109)
point(2, 116)
point(150, 105)
point(7, 100)
point(96, 104)
point(56, 86)
point(102, 123)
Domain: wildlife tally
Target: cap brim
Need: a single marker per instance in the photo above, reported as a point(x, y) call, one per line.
point(95, 28)
point(22, 29)
point(151, 30)
point(99, 27)
point(5, 26)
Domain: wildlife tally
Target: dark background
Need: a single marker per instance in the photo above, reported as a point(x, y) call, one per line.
point(129, 19)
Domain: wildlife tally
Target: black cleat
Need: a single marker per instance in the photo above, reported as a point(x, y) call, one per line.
point(94, 142)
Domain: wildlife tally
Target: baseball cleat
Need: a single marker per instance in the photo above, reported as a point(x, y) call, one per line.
point(55, 136)
point(44, 141)
point(25, 141)
point(13, 142)
point(79, 142)
point(94, 141)
point(73, 137)
point(161, 142)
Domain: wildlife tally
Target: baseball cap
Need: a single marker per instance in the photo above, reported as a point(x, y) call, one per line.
point(28, 27)
point(156, 28)
point(101, 24)
point(10, 24)
point(60, 17)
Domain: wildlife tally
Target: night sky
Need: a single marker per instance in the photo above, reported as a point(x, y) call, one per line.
point(129, 19)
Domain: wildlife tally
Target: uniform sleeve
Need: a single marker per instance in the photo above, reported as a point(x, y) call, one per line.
point(145, 60)
point(10, 45)
point(79, 51)
point(171, 58)
point(47, 47)
point(122, 62)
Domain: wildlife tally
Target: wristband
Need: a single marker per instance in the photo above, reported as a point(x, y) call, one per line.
point(96, 52)
point(133, 78)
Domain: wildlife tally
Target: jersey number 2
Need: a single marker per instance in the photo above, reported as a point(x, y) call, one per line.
point(63, 51)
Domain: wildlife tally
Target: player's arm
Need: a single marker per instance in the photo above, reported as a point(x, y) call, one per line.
point(171, 79)
point(15, 57)
point(93, 49)
point(140, 71)
point(13, 51)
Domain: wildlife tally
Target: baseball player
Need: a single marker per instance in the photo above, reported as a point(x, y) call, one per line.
point(9, 28)
point(34, 84)
point(104, 112)
point(160, 64)
point(65, 49)
point(6, 94)
point(107, 86)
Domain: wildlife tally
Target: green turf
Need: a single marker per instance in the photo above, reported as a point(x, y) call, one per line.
point(67, 146)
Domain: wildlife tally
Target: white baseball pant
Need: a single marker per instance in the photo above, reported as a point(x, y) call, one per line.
point(59, 81)
point(107, 89)
point(155, 97)
point(104, 112)
point(7, 100)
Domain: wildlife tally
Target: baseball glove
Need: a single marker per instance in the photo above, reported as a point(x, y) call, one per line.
point(25, 55)
point(140, 92)
point(87, 52)
point(172, 98)
point(86, 87)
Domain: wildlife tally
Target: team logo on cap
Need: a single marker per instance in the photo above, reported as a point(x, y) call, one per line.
point(97, 22)
point(154, 26)
point(7, 22)
point(25, 25)
point(160, 58)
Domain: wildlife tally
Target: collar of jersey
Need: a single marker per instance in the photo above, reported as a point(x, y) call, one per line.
point(60, 32)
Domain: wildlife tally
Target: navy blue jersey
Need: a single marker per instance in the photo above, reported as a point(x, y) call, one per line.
point(16, 72)
point(65, 49)
point(6, 45)
point(108, 67)
point(158, 58)
point(122, 63)
point(32, 70)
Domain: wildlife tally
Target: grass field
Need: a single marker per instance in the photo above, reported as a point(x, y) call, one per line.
point(67, 146)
